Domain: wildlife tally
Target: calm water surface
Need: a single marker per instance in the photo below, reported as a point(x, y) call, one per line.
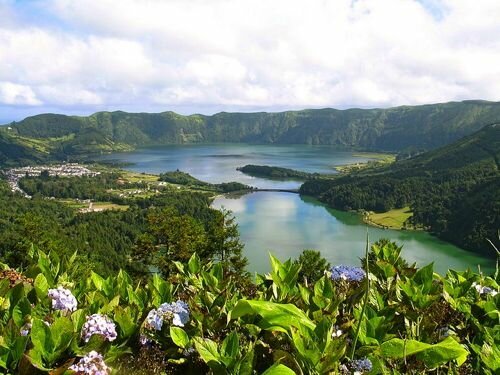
point(287, 223)
point(218, 162)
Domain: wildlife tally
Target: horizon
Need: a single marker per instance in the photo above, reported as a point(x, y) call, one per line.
point(80, 57)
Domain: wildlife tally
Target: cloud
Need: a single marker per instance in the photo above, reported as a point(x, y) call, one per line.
point(242, 54)
point(14, 94)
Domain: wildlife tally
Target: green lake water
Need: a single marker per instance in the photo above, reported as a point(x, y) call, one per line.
point(285, 223)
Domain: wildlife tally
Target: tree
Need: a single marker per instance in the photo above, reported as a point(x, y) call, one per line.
point(224, 243)
point(176, 238)
point(313, 265)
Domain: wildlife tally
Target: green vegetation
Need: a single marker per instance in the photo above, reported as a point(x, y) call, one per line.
point(380, 159)
point(453, 191)
point(185, 179)
point(275, 172)
point(202, 319)
point(406, 130)
point(108, 234)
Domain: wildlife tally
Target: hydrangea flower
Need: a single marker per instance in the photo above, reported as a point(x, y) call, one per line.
point(91, 364)
point(25, 329)
point(98, 324)
point(348, 273)
point(154, 320)
point(336, 332)
point(484, 289)
point(180, 311)
point(360, 366)
point(176, 312)
point(189, 352)
point(145, 340)
point(62, 299)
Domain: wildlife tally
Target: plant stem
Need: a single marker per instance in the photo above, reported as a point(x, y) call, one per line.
point(366, 298)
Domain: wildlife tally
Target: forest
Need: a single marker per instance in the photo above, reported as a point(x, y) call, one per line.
point(113, 239)
point(274, 172)
point(452, 191)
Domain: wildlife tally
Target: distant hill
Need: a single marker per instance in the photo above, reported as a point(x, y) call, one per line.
point(454, 190)
point(15, 151)
point(406, 128)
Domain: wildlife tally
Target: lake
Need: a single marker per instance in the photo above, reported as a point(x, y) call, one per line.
point(287, 223)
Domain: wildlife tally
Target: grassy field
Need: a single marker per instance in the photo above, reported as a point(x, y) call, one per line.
point(378, 159)
point(96, 206)
point(393, 219)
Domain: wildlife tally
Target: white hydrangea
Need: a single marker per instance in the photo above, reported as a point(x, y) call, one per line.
point(98, 324)
point(91, 364)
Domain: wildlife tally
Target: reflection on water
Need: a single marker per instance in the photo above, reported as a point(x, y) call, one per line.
point(285, 224)
point(218, 162)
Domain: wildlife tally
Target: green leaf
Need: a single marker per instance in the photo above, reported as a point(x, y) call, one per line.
point(41, 286)
point(231, 345)
point(62, 333)
point(274, 314)
point(21, 311)
point(41, 337)
point(194, 264)
point(179, 336)
point(207, 350)
point(279, 369)
point(126, 321)
point(97, 280)
point(443, 352)
point(431, 355)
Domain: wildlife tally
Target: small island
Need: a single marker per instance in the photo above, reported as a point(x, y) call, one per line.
point(182, 178)
point(275, 172)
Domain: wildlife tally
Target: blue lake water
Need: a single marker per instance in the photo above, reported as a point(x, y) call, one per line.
point(287, 223)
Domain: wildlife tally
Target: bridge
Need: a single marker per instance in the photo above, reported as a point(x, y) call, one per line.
point(293, 191)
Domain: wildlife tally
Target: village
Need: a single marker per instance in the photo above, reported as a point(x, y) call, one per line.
point(62, 170)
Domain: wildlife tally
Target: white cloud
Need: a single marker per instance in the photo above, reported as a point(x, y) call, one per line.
point(251, 54)
point(14, 94)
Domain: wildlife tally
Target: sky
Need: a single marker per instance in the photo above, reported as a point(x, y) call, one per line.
point(206, 56)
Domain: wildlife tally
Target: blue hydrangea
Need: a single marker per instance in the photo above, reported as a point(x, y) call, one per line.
point(98, 324)
point(62, 299)
point(154, 320)
point(91, 364)
point(348, 273)
point(180, 311)
point(176, 312)
point(363, 365)
point(484, 289)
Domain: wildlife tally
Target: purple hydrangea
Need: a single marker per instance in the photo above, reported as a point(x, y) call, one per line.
point(361, 366)
point(348, 273)
point(176, 312)
point(91, 364)
point(25, 329)
point(98, 324)
point(62, 299)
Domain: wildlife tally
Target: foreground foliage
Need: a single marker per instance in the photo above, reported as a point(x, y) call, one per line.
point(387, 317)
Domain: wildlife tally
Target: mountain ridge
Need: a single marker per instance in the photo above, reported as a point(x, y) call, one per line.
point(396, 129)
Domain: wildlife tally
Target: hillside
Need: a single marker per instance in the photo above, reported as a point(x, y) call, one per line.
point(16, 151)
point(453, 191)
point(406, 128)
